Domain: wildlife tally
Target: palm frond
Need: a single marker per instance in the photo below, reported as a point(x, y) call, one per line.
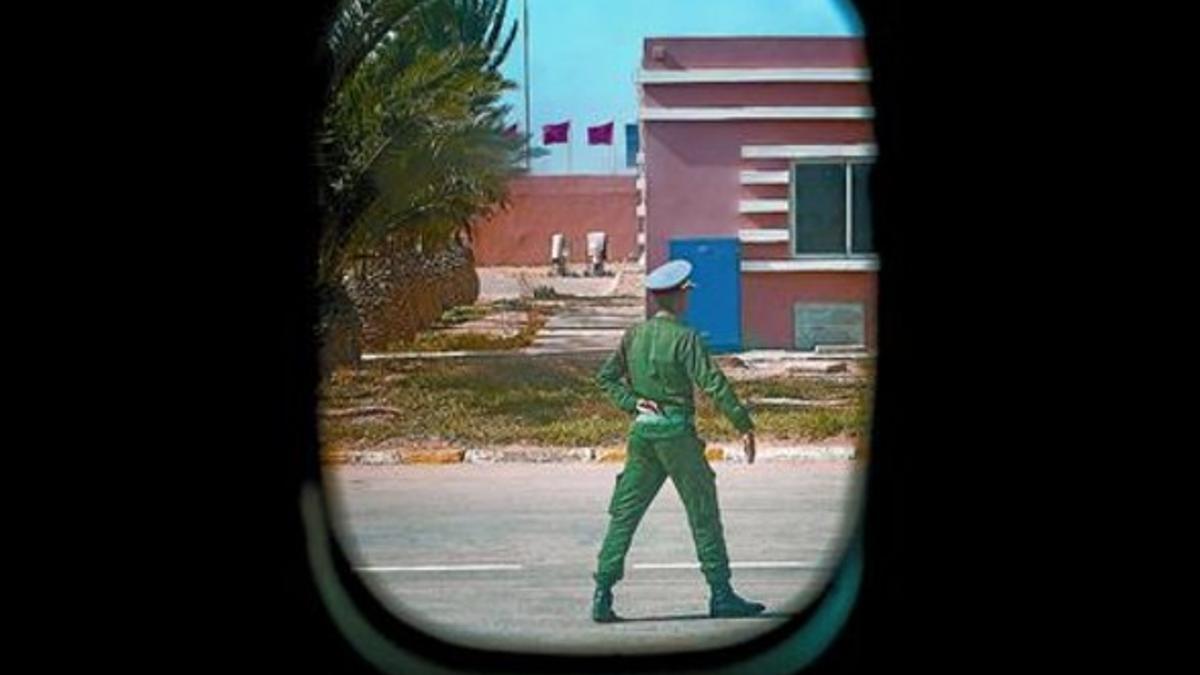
point(412, 143)
point(361, 27)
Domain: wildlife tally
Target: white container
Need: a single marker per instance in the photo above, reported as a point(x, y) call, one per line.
point(597, 244)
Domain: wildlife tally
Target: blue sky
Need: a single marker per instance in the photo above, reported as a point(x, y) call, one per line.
point(583, 56)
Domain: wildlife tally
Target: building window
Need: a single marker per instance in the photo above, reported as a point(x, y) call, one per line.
point(831, 209)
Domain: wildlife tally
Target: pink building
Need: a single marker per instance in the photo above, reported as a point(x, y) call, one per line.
point(757, 151)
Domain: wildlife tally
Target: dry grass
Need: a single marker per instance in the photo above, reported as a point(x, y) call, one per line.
point(553, 400)
point(438, 339)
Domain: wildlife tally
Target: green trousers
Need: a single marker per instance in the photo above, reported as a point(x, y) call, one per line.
point(648, 463)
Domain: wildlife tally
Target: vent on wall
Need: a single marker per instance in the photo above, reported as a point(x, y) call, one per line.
point(828, 323)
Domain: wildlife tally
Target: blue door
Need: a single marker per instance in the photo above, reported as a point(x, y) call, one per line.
point(715, 306)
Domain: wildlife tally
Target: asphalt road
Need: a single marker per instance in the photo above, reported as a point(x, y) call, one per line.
point(502, 555)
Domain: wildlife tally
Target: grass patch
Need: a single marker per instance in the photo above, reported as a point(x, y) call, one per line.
point(545, 293)
point(462, 314)
point(436, 339)
point(510, 305)
point(552, 400)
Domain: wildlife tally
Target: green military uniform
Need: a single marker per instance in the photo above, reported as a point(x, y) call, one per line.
point(659, 360)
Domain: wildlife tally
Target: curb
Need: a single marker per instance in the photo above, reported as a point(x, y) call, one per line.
point(531, 455)
point(716, 452)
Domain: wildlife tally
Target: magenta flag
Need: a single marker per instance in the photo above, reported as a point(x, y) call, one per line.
point(601, 134)
point(555, 133)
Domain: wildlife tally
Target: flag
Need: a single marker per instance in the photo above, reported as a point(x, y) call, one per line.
point(555, 133)
point(601, 134)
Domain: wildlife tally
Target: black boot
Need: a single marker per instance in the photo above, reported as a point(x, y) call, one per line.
point(727, 604)
point(602, 611)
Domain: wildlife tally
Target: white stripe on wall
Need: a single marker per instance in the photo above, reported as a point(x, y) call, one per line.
point(699, 75)
point(725, 114)
point(808, 151)
point(763, 206)
point(814, 265)
point(765, 178)
point(763, 235)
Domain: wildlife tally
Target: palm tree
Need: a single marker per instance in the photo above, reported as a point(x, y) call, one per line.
point(412, 146)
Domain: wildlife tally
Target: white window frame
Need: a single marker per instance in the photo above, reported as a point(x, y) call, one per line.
point(847, 164)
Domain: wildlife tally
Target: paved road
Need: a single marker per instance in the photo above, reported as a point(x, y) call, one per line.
point(502, 555)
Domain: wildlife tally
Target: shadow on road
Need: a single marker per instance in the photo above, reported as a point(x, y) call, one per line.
point(698, 617)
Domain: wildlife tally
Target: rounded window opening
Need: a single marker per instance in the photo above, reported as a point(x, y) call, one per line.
point(573, 253)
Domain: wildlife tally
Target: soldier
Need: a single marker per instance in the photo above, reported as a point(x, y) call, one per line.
point(651, 375)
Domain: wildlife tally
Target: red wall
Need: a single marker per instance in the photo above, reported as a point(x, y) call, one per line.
point(768, 298)
point(540, 206)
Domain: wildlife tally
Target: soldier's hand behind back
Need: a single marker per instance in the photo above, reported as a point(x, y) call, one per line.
point(748, 446)
point(647, 406)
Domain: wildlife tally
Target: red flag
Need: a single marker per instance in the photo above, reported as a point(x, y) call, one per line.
point(555, 133)
point(601, 134)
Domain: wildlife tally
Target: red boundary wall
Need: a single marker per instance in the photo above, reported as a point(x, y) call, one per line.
point(540, 206)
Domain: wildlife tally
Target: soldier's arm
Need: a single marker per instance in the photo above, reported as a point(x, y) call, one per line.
point(613, 375)
point(709, 378)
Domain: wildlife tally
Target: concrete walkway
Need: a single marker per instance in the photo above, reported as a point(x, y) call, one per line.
point(584, 326)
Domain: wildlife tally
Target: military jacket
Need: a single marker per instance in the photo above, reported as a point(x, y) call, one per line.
point(660, 359)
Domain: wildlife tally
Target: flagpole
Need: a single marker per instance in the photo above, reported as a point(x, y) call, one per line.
point(528, 129)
